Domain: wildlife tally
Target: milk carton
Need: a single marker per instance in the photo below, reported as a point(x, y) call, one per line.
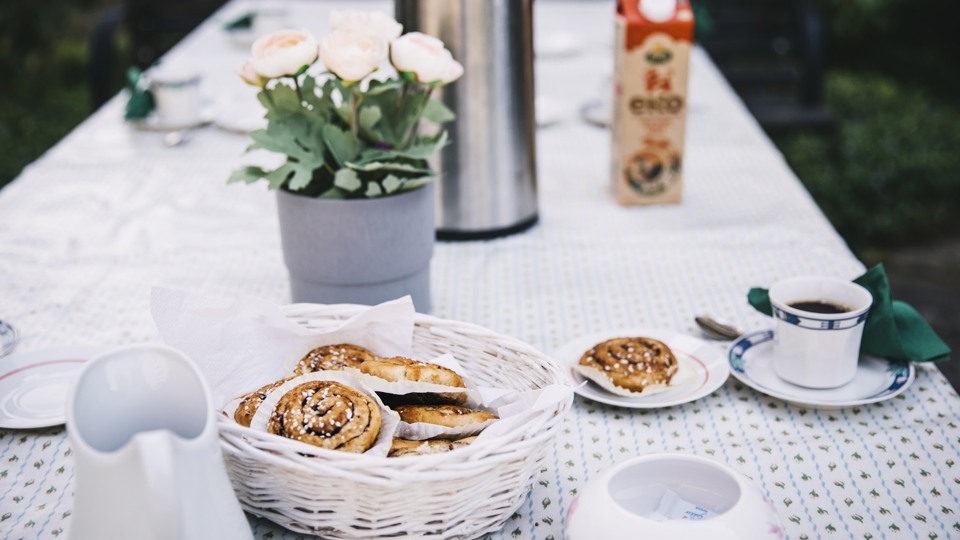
point(652, 48)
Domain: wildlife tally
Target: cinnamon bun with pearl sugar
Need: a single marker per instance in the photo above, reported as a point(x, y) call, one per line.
point(334, 357)
point(249, 403)
point(327, 414)
point(630, 363)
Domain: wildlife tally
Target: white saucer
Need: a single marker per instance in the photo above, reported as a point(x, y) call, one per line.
point(239, 123)
point(877, 379)
point(156, 123)
point(703, 368)
point(239, 111)
point(34, 385)
point(597, 112)
point(549, 111)
point(558, 45)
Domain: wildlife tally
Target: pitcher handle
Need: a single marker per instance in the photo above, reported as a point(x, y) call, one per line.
point(157, 461)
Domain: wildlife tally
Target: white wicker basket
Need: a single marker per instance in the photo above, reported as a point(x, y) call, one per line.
point(461, 494)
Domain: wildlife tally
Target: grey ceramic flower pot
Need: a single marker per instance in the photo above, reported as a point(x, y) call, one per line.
point(363, 251)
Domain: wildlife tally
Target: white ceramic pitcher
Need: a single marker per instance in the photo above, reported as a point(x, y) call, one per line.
point(148, 459)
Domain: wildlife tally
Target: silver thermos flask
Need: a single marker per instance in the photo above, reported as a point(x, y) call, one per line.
point(488, 177)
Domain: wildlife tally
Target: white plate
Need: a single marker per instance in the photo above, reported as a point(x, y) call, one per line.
point(705, 365)
point(238, 110)
point(242, 123)
point(597, 112)
point(156, 123)
point(34, 385)
point(877, 379)
point(549, 111)
point(557, 45)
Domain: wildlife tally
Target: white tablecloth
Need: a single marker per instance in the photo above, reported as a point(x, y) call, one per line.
point(89, 228)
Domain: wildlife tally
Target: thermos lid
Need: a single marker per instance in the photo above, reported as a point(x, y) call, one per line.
point(658, 10)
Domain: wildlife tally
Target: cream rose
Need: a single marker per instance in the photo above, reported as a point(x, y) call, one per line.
point(250, 75)
point(352, 55)
point(283, 53)
point(425, 57)
point(377, 23)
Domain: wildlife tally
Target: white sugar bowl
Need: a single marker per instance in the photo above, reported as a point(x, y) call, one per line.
point(672, 497)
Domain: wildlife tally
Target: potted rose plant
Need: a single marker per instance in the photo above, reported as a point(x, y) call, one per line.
point(354, 193)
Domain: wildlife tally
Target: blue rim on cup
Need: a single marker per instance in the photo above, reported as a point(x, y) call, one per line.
point(818, 350)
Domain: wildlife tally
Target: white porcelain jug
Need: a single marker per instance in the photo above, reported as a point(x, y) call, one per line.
point(148, 459)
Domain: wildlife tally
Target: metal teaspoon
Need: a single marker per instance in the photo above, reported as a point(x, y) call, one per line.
point(715, 329)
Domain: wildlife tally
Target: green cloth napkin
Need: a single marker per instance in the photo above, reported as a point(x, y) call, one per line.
point(893, 329)
point(140, 103)
point(242, 22)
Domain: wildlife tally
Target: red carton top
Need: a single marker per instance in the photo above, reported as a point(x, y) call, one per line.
point(680, 27)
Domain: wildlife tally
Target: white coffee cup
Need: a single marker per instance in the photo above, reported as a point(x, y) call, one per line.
point(176, 91)
point(812, 348)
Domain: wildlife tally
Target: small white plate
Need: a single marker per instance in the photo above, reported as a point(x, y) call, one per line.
point(558, 45)
point(705, 366)
point(242, 123)
point(34, 385)
point(549, 111)
point(877, 379)
point(597, 112)
point(156, 123)
point(239, 111)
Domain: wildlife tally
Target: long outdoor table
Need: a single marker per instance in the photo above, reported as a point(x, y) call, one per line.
point(89, 228)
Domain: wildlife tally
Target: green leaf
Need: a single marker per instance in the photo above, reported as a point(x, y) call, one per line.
point(347, 179)
point(422, 150)
point(373, 190)
point(302, 176)
point(281, 101)
point(318, 104)
point(369, 116)
point(391, 184)
point(414, 183)
point(288, 173)
point(379, 87)
point(281, 137)
point(425, 148)
point(247, 175)
point(409, 113)
point(387, 100)
point(342, 144)
point(333, 193)
point(388, 166)
point(435, 111)
point(278, 176)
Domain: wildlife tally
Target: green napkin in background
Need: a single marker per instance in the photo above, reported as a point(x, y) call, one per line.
point(893, 329)
point(242, 22)
point(140, 102)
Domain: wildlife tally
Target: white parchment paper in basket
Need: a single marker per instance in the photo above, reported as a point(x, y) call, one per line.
point(243, 344)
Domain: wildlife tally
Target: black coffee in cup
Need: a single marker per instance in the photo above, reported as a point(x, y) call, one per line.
point(825, 307)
